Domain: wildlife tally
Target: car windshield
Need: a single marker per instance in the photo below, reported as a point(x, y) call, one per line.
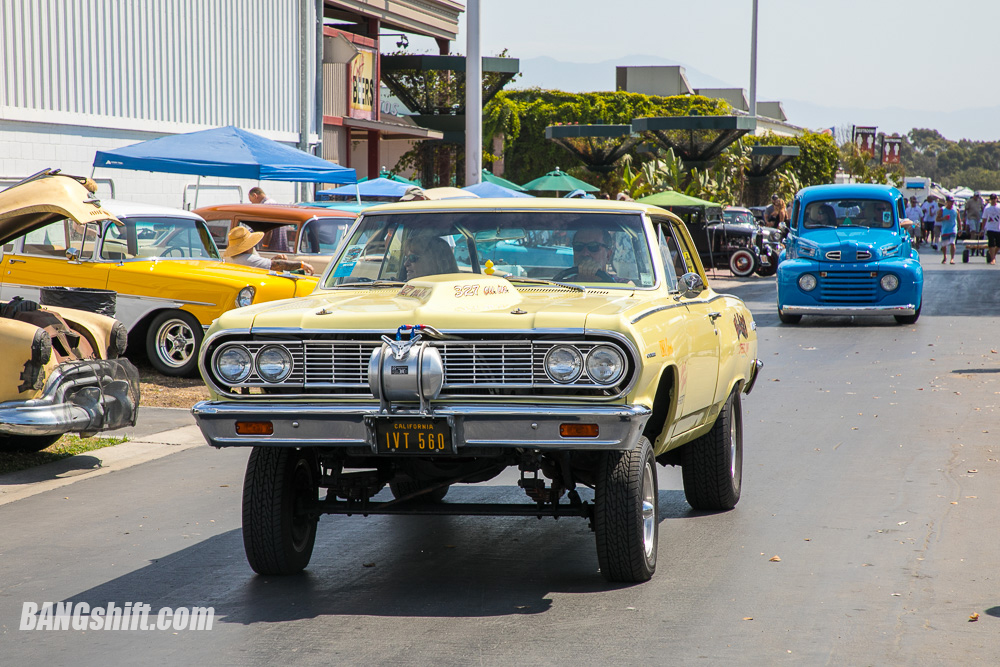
point(739, 218)
point(591, 248)
point(161, 237)
point(872, 213)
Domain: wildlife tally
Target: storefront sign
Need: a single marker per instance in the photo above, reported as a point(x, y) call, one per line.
point(362, 81)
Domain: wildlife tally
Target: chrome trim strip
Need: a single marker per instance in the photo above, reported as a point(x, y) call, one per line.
point(907, 309)
point(680, 304)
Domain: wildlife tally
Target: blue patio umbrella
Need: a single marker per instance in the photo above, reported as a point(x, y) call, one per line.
point(491, 190)
point(376, 187)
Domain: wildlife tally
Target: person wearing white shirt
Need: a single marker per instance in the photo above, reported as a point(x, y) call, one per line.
point(928, 215)
point(991, 225)
point(913, 213)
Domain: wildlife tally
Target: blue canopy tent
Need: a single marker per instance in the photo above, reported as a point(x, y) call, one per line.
point(225, 151)
point(487, 189)
point(376, 187)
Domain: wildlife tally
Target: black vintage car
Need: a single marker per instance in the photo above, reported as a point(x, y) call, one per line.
point(733, 238)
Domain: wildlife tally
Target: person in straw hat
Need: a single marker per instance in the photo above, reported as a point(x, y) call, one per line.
point(241, 250)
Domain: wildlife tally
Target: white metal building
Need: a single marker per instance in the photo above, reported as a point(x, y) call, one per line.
point(88, 75)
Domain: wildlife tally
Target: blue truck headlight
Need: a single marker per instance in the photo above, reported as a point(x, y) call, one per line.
point(807, 282)
point(889, 282)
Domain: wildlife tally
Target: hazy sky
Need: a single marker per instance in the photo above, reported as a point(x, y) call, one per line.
point(918, 54)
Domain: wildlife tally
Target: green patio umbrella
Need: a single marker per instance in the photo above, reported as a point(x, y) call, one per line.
point(502, 182)
point(559, 181)
point(674, 198)
point(392, 177)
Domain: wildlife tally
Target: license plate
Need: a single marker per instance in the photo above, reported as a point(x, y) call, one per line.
point(419, 436)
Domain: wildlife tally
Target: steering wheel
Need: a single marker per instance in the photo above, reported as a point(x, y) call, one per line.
point(169, 252)
point(573, 271)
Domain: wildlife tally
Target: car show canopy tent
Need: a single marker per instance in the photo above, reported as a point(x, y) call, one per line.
point(228, 152)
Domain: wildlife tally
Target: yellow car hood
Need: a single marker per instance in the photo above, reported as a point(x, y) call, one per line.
point(447, 302)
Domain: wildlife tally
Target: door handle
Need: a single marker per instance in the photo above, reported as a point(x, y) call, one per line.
point(16, 261)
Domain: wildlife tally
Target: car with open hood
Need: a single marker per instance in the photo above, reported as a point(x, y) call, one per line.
point(170, 280)
point(849, 252)
point(299, 233)
point(61, 369)
point(577, 341)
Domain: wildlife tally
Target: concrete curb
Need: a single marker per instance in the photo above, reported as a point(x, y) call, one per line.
point(26, 483)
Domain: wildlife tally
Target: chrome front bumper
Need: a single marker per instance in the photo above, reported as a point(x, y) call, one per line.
point(476, 425)
point(904, 309)
point(80, 397)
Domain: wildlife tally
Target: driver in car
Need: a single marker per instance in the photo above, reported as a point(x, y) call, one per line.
point(592, 252)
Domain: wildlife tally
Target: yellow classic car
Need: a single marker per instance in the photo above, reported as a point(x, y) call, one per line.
point(577, 341)
point(162, 263)
point(60, 370)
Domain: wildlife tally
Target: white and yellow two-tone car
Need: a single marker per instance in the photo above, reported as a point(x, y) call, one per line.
point(575, 340)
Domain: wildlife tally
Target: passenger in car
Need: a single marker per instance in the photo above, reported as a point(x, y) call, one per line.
point(241, 250)
point(426, 256)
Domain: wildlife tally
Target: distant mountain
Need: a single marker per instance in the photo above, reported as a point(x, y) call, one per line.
point(973, 124)
point(549, 73)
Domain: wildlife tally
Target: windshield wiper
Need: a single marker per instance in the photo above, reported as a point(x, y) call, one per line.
point(373, 283)
point(543, 281)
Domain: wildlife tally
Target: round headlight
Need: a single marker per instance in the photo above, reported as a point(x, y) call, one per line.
point(274, 363)
point(245, 297)
point(807, 282)
point(889, 282)
point(563, 364)
point(233, 364)
point(605, 365)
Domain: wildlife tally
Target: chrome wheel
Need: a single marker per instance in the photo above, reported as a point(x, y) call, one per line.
point(648, 511)
point(172, 343)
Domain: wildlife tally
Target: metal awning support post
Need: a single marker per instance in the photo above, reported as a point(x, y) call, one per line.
point(473, 97)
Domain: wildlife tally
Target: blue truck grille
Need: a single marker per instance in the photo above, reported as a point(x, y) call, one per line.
point(849, 287)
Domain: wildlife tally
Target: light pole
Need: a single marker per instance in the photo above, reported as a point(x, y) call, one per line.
point(473, 97)
point(753, 63)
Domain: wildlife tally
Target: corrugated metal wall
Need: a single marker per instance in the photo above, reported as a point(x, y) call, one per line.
point(187, 62)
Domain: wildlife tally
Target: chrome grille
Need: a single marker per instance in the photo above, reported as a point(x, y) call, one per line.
point(471, 367)
point(852, 287)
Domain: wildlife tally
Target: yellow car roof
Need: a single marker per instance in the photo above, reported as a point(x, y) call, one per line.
point(519, 204)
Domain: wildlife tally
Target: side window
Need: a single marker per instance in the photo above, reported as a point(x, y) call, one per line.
point(49, 241)
point(321, 236)
point(669, 253)
point(220, 232)
point(900, 209)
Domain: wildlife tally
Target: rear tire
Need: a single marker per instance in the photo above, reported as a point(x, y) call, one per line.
point(712, 465)
point(406, 487)
point(279, 526)
point(626, 514)
point(27, 443)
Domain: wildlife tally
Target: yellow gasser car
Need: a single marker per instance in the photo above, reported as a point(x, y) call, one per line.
point(576, 341)
point(60, 370)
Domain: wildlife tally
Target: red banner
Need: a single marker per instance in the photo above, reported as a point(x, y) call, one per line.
point(864, 139)
point(890, 149)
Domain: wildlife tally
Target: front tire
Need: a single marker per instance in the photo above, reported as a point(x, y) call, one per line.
point(27, 443)
point(279, 526)
point(909, 319)
point(788, 318)
point(626, 514)
point(742, 263)
point(712, 465)
point(172, 343)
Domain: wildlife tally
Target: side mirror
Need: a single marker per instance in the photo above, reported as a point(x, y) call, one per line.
point(73, 254)
point(691, 285)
